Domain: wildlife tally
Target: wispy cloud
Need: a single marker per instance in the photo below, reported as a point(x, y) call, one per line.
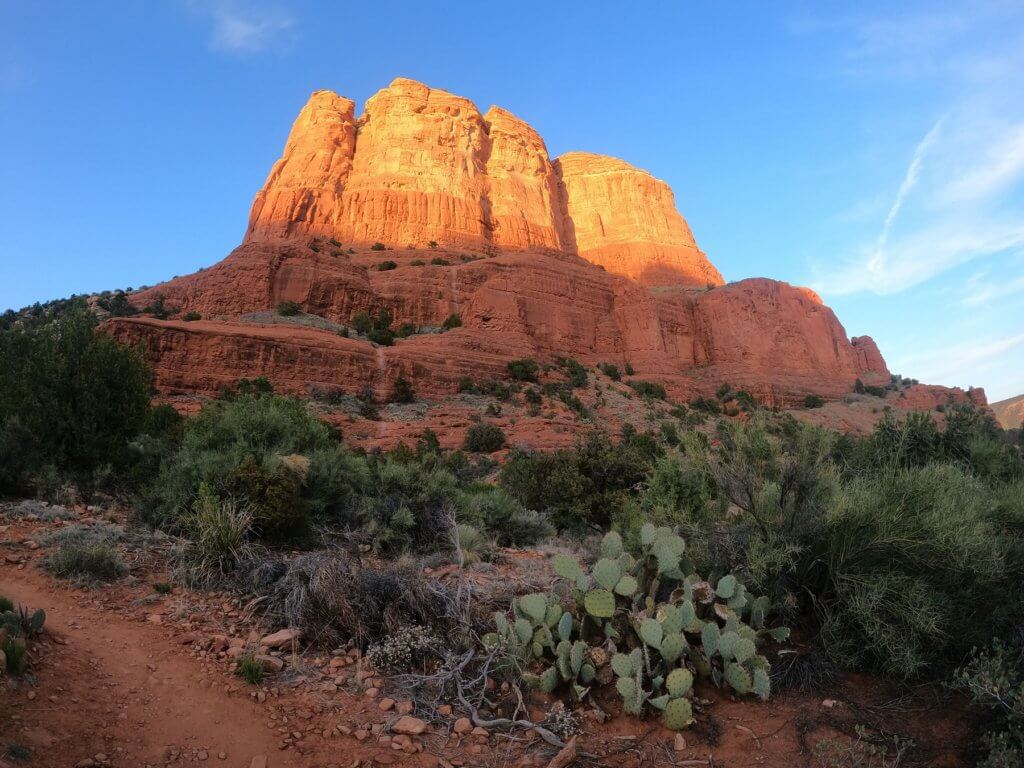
point(980, 290)
point(1001, 168)
point(977, 356)
point(243, 26)
point(958, 200)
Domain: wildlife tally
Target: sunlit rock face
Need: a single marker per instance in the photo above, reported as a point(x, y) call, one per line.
point(625, 220)
point(584, 257)
point(422, 165)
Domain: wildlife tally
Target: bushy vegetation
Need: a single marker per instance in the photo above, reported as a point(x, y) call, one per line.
point(901, 551)
point(523, 370)
point(288, 308)
point(484, 438)
point(71, 400)
point(649, 389)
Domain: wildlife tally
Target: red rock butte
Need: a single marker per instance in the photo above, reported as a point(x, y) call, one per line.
point(583, 256)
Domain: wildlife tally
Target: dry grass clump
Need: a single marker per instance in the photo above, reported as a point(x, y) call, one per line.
point(335, 600)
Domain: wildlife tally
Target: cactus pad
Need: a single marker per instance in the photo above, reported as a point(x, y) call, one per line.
point(565, 626)
point(672, 647)
point(651, 633)
point(599, 603)
point(534, 606)
point(679, 682)
point(606, 573)
point(548, 680)
point(566, 567)
point(627, 586)
point(738, 678)
point(762, 684)
point(622, 665)
point(611, 545)
point(743, 649)
point(726, 587)
point(678, 714)
point(709, 636)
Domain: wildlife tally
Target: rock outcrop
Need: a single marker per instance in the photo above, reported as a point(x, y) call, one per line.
point(625, 220)
point(422, 165)
point(1010, 412)
point(584, 257)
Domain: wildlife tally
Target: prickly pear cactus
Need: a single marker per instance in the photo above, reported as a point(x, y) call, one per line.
point(640, 618)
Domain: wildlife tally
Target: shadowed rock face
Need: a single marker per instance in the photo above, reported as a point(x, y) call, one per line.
point(586, 257)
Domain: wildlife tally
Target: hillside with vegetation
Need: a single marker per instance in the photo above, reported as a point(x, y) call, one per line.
point(631, 595)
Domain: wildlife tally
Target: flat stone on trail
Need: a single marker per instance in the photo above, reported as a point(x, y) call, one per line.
point(410, 726)
point(269, 663)
point(281, 638)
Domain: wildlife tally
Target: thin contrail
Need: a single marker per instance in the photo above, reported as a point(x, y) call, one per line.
point(909, 180)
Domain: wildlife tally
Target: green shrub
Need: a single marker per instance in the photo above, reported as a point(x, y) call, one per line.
point(257, 431)
point(85, 562)
point(417, 263)
point(378, 247)
point(629, 370)
point(70, 398)
point(523, 370)
point(386, 266)
point(250, 669)
point(219, 533)
point(814, 401)
point(382, 336)
point(405, 330)
point(432, 244)
point(402, 391)
point(648, 389)
point(484, 438)
point(582, 488)
point(288, 308)
point(870, 389)
point(918, 572)
point(611, 371)
point(576, 373)
point(437, 261)
point(503, 517)
point(994, 679)
point(706, 405)
point(190, 317)
point(407, 506)
point(361, 323)
point(466, 386)
point(452, 321)
point(117, 305)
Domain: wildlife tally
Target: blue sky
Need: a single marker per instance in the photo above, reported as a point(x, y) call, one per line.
point(874, 151)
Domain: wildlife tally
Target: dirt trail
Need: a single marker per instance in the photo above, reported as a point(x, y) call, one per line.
point(122, 689)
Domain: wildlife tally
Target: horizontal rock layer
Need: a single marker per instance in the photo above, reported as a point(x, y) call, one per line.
point(768, 337)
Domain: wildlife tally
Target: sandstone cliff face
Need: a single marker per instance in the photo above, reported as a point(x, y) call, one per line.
point(625, 220)
point(423, 165)
point(303, 192)
point(573, 249)
point(869, 358)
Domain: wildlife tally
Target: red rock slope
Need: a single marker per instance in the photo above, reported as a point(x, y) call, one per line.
point(1010, 412)
point(584, 256)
